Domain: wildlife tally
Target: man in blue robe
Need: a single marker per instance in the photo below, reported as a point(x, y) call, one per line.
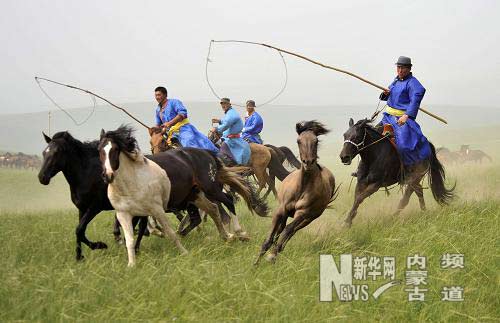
point(172, 116)
point(233, 146)
point(253, 124)
point(403, 101)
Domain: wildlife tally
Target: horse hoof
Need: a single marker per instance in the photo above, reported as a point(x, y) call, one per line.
point(271, 258)
point(80, 257)
point(99, 245)
point(243, 236)
point(347, 225)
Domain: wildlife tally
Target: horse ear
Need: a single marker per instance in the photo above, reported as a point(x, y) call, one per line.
point(351, 122)
point(103, 133)
point(47, 138)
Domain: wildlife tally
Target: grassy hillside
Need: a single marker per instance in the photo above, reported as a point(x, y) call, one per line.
point(217, 282)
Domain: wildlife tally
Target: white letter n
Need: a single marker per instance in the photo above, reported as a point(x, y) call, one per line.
point(330, 276)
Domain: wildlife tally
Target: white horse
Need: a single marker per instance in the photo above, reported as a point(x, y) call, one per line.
point(137, 186)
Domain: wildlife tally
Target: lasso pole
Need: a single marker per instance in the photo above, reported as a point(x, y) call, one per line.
point(325, 66)
point(96, 95)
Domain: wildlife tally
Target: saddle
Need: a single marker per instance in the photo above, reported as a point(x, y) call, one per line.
point(389, 130)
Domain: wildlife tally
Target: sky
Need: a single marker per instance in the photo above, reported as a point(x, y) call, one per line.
point(124, 49)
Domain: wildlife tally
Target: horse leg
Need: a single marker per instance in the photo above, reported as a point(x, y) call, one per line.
point(211, 208)
point(261, 175)
point(116, 230)
point(278, 224)
point(238, 230)
point(128, 231)
point(143, 225)
point(420, 194)
point(361, 193)
point(405, 199)
point(271, 186)
point(300, 220)
point(193, 218)
point(85, 219)
point(167, 230)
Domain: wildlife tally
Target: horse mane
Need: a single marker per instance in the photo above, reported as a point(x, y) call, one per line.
point(124, 138)
point(316, 127)
point(71, 144)
point(368, 124)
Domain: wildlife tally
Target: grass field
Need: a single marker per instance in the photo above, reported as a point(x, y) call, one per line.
point(216, 282)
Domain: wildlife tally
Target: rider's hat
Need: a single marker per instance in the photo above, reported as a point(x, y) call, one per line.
point(404, 61)
point(225, 100)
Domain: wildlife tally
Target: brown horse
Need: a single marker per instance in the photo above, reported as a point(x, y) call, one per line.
point(304, 194)
point(261, 159)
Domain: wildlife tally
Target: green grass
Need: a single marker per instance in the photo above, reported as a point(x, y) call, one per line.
point(216, 282)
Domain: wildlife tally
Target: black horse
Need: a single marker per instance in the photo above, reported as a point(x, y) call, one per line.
point(381, 166)
point(80, 164)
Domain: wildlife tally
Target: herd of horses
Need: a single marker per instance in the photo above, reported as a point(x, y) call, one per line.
point(465, 154)
point(20, 160)
point(112, 173)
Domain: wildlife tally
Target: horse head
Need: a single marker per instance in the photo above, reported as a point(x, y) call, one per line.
point(111, 144)
point(54, 155)
point(157, 140)
point(354, 140)
point(307, 141)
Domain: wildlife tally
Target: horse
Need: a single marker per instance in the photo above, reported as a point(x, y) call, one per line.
point(283, 153)
point(474, 155)
point(381, 166)
point(261, 158)
point(136, 185)
point(79, 162)
point(304, 194)
point(159, 144)
point(195, 171)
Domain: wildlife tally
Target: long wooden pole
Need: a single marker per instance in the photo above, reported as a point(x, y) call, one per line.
point(325, 66)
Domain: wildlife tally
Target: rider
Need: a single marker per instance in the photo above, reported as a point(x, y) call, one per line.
point(253, 124)
point(403, 101)
point(233, 147)
point(172, 117)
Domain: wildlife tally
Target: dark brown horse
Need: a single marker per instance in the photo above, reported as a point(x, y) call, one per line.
point(304, 194)
point(380, 166)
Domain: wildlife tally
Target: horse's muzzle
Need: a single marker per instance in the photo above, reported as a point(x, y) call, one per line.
point(346, 160)
point(108, 178)
point(44, 180)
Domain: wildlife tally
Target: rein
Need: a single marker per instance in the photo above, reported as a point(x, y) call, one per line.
point(362, 143)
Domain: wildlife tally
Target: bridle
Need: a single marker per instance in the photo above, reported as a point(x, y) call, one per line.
point(362, 143)
point(357, 145)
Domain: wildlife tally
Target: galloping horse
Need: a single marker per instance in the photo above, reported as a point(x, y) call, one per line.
point(381, 166)
point(79, 162)
point(136, 185)
point(304, 194)
point(261, 158)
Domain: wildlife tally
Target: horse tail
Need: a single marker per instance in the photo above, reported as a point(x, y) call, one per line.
point(441, 194)
point(276, 168)
point(290, 157)
point(241, 186)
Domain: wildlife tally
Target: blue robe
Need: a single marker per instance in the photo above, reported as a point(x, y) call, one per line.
point(253, 127)
point(406, 95)
point(232, 124)
point(188, 135)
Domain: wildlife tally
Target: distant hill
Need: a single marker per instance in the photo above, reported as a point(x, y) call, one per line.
point(22, 132)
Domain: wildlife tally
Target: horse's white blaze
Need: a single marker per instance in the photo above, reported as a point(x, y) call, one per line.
point(47, 150)
point(107, 163)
